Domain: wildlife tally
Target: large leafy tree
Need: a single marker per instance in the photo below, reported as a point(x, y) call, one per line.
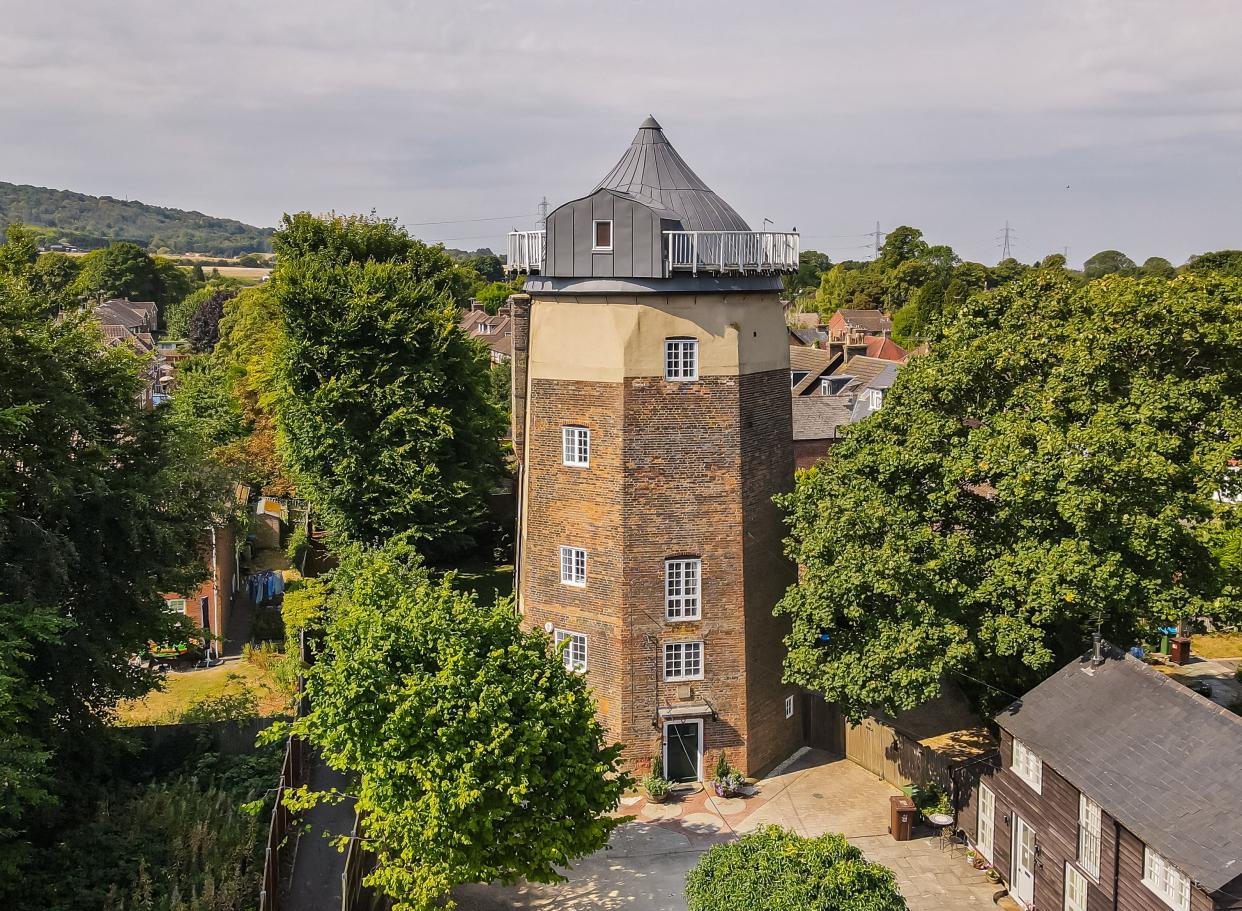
point(203, 327)
point(1046, 471)
point(384, 412)
point(477, 755)
point(100, 511)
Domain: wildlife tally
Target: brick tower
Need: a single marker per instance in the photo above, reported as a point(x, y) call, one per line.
point(652, 427)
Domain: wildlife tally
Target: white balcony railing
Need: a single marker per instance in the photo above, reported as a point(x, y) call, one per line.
point(730, 251)
point(526, 251)
point(685, 251)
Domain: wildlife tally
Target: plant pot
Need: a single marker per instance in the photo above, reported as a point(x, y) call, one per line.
point(723, 790)
point(992, 875)
point(653, 798)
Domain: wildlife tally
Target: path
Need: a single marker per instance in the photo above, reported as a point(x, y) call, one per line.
point(646, 863)
point(315, 883)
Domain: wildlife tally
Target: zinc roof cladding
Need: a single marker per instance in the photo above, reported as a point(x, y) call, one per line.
point(652, 173)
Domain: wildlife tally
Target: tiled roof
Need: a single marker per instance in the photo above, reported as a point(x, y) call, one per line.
point(817, 417)
point(815, 361)
point(866, 320)
point(866, 371)
point(1156, 756)
point(885, 349)
point(806, 320)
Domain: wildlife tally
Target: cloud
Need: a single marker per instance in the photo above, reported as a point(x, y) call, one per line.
point(953, 116)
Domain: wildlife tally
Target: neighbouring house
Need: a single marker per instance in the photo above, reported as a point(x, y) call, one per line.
point(210, 605)
point(805, 329)
point(495, 331)
point(1117, 788)
point(829, 395)
point(851, 331)
point(652, 428)
point(132, 323)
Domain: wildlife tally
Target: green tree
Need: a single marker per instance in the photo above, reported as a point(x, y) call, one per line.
point(101, 510)
point(385, 416)
point(205, 406)
point(197, 274)
point(55, 274)
point(1108, 262)
point(902, 245)
point(488, 265)
point(772, 869)
point(811, 266)
point(1046, 471)
point(202, 329)
point(1006, 271)
point(1158, 267)
point(119, 270)
point(1226, 262)
point(914, 322)
point(477, 754)
point(493, 296)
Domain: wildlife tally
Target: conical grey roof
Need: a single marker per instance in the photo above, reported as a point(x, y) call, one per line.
point(652, 173)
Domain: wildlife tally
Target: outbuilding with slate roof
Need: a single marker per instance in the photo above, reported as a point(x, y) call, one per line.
point(1118, 788)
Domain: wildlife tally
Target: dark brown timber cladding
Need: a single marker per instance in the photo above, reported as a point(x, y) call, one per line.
point(1053, 814)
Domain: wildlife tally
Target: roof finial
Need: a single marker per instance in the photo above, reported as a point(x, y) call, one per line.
point(650, 124)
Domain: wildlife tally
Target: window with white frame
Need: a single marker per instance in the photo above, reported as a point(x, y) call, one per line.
point(875, 399)
point(987, 821)
point(602, 233)
point(789, 706)
point(681, 588)
point(576, 446)
point(575, 653)
point(1075, 889)
point(573, 565)
point(683, 661)
point(1027, 766)
point(681, 359)
point(1089, 836)
point(1170, 883)
point(174, 605)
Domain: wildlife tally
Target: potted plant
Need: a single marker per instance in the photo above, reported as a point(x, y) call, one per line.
point(727, 781)
point(655, 784)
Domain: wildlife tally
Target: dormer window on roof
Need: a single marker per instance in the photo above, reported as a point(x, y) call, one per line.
point(651, 217)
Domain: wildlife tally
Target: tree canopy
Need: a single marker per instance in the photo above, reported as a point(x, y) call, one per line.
point(1046, 471)
point(101, 511)
point(476, 752)
point(384, 408)
point(772, 869)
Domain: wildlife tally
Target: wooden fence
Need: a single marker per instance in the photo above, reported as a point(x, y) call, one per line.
point(292, 775)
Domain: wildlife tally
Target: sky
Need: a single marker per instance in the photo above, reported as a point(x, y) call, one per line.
point(1084, 124)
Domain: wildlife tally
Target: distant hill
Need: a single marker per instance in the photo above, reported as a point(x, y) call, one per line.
point(88, 222)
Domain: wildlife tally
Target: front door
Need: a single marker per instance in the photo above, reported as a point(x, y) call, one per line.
point(683, 750)
point(1023, 861)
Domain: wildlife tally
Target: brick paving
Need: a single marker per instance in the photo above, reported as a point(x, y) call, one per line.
point(645, 865)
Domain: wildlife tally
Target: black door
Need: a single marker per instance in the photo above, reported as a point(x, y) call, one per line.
point(683, 751)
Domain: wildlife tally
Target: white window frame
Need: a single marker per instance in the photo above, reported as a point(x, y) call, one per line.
point(1027, 766)
point(174, 605)
point(1170, 884)
point(576, 446)
point(573, 566)
point(789, 706)
point(986, 822)
point(1089, 839)
point(1075, 895)
point(682, 602)
point(875, 399)
point(681, 359)
point(825, 385)
point(575, 654)
point(680, 649)
point(595, 247)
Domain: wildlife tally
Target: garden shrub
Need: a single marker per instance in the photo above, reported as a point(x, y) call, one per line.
point(772, 869)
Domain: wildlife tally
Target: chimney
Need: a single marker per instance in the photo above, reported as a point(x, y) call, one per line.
point(475, 306)
point(1097, 650)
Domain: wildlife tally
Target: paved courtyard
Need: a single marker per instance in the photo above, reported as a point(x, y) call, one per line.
point(645, 865)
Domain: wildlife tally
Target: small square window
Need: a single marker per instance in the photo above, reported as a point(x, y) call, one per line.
point(681, 359)
point(789, 706)
point(1027, 766)
point(681, 589)
point(603, 237)
point(174, 605)
point(576, 446)
point(573, 566)
point(683, 661)
point(575, 653)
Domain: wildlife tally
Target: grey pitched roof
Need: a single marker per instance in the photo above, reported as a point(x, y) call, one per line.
point(817, 417)
point(1154, 755)
point(652, 173)
point(868, 372)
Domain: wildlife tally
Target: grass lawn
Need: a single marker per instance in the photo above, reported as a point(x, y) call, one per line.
point(485, 580)
point(1217, 645)
point(181, 688)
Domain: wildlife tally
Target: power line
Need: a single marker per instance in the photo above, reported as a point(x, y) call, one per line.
point(877, 235)
point(460, 221)
point(1003, 238)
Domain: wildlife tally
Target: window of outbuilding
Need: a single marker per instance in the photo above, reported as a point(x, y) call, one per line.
point(603, 237)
